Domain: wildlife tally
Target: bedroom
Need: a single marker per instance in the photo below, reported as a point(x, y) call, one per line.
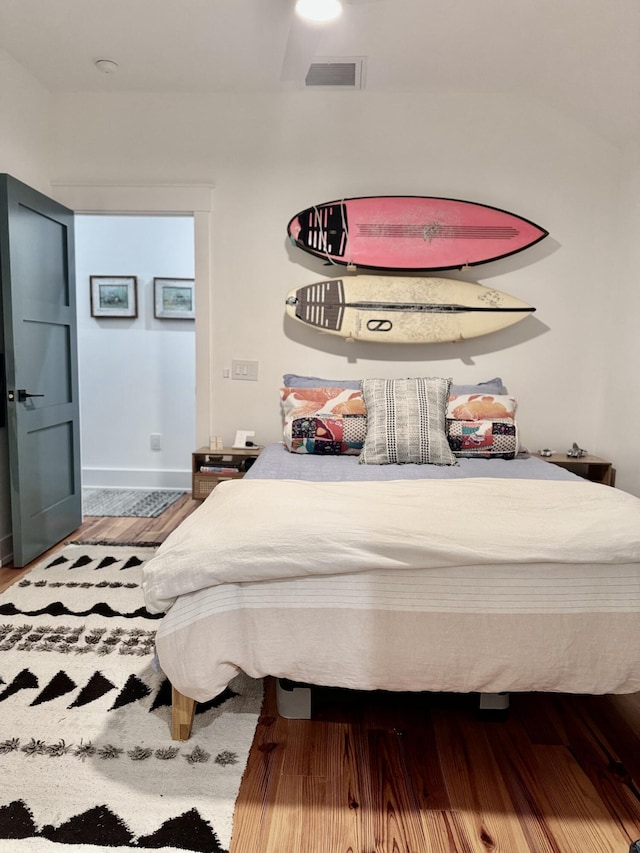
point(553, 137)
point(562, 152)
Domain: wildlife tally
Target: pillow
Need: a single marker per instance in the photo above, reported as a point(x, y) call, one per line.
point(479, 407)
point(491, 386)
point(309, 401)
point(486, 438)
point(293, 380)
point(323, 420)
point(326, 434)
point(406, 421)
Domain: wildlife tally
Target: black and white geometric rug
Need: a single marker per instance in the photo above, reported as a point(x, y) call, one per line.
point(86, 756)
point(134, 503)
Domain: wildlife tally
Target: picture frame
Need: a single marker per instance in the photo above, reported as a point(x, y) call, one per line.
point(174, 298)
point(114, 295)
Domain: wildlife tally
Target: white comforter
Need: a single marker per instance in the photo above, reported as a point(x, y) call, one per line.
point(252, 530)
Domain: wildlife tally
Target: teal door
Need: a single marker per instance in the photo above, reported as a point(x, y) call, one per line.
point(41, 368)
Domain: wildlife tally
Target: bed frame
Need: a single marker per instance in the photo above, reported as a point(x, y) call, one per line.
point(294, 698)
point(294, 703)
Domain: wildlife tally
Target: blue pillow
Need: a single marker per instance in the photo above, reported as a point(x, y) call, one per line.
point(293, 380)
point(491, 386)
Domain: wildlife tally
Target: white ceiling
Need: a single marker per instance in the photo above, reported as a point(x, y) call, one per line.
point(580, 56)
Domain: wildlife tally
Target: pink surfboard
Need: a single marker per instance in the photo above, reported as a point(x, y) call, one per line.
point(410, 232)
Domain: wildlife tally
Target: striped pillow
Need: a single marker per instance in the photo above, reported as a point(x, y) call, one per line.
point(406, 421)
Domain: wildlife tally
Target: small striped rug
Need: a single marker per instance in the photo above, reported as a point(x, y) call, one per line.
point(136, 503)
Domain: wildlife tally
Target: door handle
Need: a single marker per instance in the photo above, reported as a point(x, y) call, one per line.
point(22, 396)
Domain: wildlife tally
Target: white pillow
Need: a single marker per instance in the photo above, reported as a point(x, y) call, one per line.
point(406, 421)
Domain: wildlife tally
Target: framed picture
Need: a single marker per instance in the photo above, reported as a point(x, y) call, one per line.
point(174, 298)
point(114, 296)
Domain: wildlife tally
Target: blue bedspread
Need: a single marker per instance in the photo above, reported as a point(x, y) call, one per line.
point(275, 462)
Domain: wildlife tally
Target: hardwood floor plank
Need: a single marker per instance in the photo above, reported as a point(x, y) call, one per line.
point(424, 768)
point(605, 761)
point(579, 819)
point(127, 529)
point(350, 830)
point(535, 713)
point(298, 816)
point(252, 821)
point(314, 748)
point(515, 756)
point(394, 808)
point(618, 719)
point(116, 530)
point(476, 787)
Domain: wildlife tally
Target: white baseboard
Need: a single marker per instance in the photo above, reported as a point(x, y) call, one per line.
point(131, 478)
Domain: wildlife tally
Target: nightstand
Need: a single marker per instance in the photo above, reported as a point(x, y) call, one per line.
point(590, 467)
point(210, 467)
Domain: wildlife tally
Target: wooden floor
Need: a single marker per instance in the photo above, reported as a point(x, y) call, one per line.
point(130, 530)
point(391, 773)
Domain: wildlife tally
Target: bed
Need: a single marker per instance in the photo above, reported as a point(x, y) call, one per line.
point(490, 575)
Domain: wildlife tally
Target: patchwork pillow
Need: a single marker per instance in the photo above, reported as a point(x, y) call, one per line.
point(329, 401)
point(325, 434)
point(406, 421)
point(479, 407)
point(482, 425)
point(323, 420)
point(485, 438)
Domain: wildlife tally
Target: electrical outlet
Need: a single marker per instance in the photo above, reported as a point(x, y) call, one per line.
point(156, 441)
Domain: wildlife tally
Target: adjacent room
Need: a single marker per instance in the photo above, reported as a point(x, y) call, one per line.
point(333, 695)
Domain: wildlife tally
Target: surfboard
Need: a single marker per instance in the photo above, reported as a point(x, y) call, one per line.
point(416, 233)
point(404, 310)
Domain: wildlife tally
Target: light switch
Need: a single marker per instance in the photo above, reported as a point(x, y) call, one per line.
point(244, 369)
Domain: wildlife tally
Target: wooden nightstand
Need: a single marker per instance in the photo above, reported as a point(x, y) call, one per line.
point(230, 462)
point(590, 467)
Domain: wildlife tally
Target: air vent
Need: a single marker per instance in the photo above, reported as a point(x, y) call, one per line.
point(345, 73)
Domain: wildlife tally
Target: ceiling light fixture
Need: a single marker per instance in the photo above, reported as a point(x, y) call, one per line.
point(106, 66)
point(319, 11)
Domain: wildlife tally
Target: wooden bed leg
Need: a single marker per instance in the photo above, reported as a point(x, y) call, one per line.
point(182, 710)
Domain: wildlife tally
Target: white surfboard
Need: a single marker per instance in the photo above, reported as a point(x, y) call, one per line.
point(404, 310)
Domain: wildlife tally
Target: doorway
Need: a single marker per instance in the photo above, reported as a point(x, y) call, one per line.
point(137, 373)
point(194, 200)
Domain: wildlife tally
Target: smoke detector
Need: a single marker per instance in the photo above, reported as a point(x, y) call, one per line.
point(106, 66)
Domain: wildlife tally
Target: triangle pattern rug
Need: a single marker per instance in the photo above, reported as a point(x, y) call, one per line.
point(86, 756)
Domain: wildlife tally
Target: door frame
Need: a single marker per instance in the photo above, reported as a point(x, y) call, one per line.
point(169, 200)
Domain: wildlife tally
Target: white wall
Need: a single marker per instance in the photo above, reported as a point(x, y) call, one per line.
point(137, 376)
point(25, 125)
point(618, 298)
point(270, 156)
